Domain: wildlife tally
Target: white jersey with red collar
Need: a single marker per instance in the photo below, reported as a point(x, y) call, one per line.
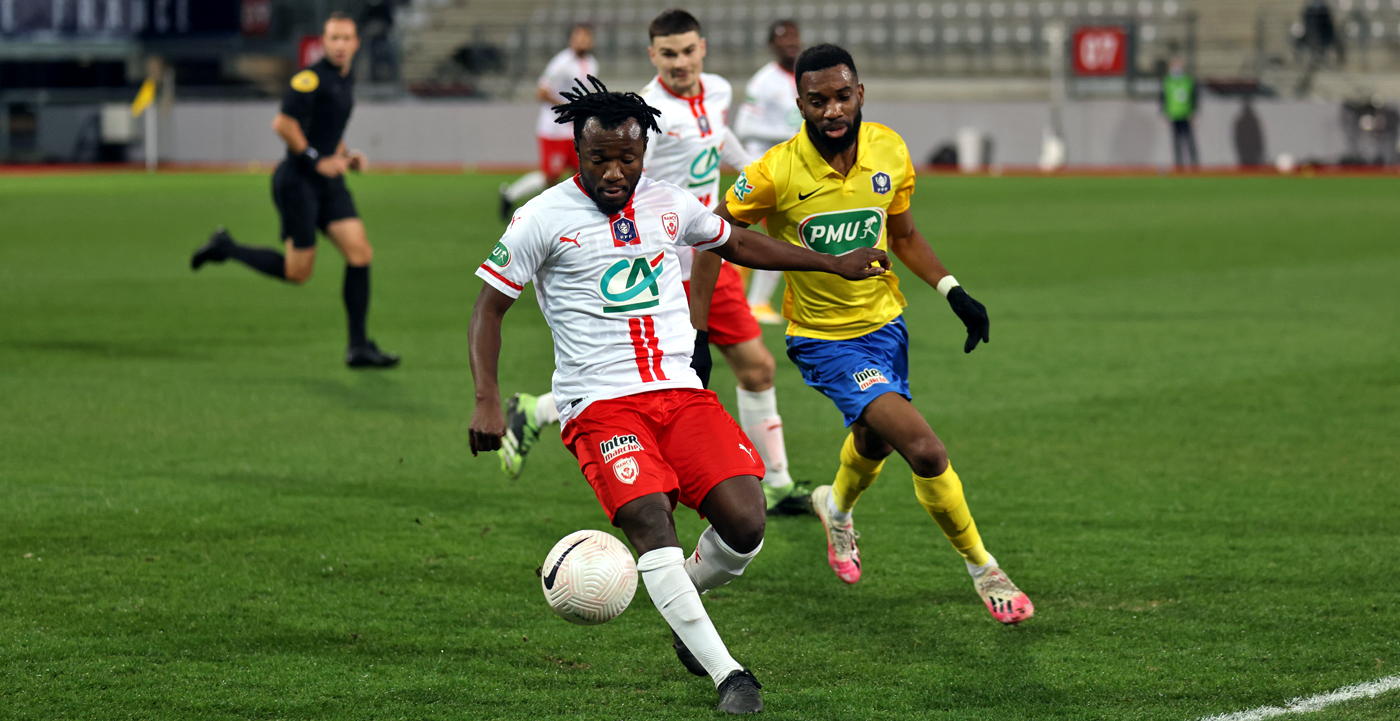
point(769, 114)
point(609, 286)
point(687, 152)
point(558, 76)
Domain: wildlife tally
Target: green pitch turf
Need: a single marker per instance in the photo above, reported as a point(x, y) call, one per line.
point(1181, 441)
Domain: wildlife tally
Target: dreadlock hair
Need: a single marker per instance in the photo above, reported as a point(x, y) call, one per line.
point(610, 108)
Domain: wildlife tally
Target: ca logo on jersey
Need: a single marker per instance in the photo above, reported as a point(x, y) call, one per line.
point(629, 285)
point(704, 168)
point(742, 187)
point(842, 231)
point(500, 255)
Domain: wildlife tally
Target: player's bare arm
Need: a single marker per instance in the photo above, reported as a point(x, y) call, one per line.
point(704, 273)
point(912, 249)
point(488, 423)
point(758, 251)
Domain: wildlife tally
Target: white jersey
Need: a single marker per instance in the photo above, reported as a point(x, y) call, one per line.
point(557, 77)
point(769, 114)
point(609, 286)
point(688, 150)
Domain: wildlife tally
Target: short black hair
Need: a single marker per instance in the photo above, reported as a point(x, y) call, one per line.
point(821, 57)
point(610, 108)
point(340, 17)
point(581, 26)
point(672, 22)
point(777, 25)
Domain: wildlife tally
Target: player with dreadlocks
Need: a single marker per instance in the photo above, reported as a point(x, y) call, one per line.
point(601, 250)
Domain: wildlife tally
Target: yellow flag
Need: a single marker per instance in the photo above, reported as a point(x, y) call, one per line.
point(144, 98)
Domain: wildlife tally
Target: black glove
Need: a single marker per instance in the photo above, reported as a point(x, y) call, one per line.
point(700, 360)
point(973, 315)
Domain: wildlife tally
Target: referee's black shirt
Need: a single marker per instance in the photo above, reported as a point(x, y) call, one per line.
point(321, 100)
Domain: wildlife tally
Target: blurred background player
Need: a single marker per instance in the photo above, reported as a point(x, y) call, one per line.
point(687, 150)
point(309, 190)
point(1179, 99)
point(839, 186)
point(556, 142)
point(646, 434)
point(770, 116)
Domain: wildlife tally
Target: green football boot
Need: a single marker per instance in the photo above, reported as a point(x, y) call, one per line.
point(789, 500)
point(521, 433)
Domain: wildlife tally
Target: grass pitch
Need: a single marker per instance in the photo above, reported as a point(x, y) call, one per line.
point(1181, 442)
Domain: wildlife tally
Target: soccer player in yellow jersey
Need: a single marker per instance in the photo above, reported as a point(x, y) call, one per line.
point(841, 184)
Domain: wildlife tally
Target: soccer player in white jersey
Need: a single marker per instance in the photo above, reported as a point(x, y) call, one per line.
point(556, 142)
point(692, 138)
point(770, 116)
point(602, 251)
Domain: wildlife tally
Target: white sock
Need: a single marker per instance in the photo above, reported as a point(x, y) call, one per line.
point(529, 184)
point(758, 416)
point(673, 593)
point(978, 571)
point(545, 412)
point(762, 283)
point(714, 563)
point(838, 516)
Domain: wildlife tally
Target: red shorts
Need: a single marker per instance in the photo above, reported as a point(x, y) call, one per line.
point(555, 155)
point(678, 441)
point(731, 321)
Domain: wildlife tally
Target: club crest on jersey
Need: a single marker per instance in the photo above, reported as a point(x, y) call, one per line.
point(624, 232)
point(626, 470)
point(500, 255)
point(629, 285)
point(618, 446)
point(671, 223)
point(869, 377)
point(880, 182)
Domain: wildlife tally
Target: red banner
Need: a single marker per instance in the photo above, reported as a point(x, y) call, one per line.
point(1100, 51)
point(256, 17)
point(311, 50)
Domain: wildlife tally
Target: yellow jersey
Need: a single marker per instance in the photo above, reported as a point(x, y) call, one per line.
point(807, 203)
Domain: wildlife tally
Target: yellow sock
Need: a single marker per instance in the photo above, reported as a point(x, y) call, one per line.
point(856, 474)
point(942, 497)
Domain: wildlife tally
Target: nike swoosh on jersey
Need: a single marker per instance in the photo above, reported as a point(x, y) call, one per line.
point(804, 197)
point(549, 579)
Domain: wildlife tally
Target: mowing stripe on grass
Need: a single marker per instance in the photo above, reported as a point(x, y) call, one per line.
point(1370, 689)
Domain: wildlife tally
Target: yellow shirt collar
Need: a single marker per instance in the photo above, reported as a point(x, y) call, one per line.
point(818, 165)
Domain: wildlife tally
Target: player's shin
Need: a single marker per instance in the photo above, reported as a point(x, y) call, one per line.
point(758, 416)
point(855, 475)
point(714, 563)
point(942, 497)
point(673, 593)
point(355, 293)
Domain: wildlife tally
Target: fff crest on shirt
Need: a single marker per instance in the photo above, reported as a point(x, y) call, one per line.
point(880, 182)
point(624, 232)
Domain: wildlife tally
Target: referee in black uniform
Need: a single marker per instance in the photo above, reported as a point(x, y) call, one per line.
point(309, 189)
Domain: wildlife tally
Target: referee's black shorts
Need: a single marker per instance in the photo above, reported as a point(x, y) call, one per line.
point(309, 202)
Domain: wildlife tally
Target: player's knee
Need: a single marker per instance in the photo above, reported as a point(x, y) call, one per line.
point(744, 531)
point(360, 255)
point(757, 375)
point(299, 274)
point(928, 458)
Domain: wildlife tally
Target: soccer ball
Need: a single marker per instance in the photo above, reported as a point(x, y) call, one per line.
point(589, 577)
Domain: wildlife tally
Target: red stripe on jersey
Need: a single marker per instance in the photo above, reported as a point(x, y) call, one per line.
point(502, 278)
point(639, 349)
point(655, 345)
point(722, 225)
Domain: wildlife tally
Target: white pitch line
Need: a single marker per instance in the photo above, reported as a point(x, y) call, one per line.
point(1370, 689)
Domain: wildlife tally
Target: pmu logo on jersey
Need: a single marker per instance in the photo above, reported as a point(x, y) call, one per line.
point(671, 223)
point(629, 285)
point(869, 377)
point(842, 231)
point(742, 187)
point(880, 182)
point(500, 255)
point(619, 445)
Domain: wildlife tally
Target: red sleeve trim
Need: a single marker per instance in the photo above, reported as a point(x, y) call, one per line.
point(502, 278)
point(723, 226)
